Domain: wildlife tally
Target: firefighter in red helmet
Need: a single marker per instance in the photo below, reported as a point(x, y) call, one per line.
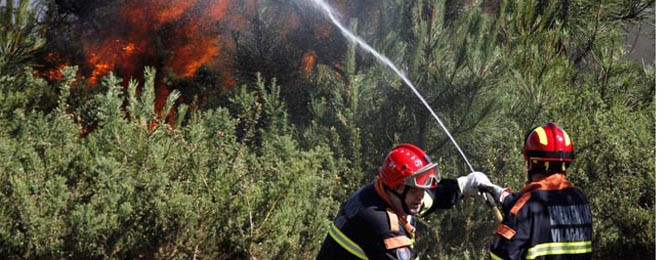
point(377, 221)
point(549, 218)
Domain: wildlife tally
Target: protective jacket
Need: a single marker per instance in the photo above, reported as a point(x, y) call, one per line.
point(547, 219)
point(366, 226)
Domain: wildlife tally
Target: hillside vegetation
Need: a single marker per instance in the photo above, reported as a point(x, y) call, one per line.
point(96, 170)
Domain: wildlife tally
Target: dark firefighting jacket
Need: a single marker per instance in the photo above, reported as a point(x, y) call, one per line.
point(366, 227)
point(547, 219)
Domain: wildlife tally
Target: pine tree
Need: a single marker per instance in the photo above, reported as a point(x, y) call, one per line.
point(259, 174)
point(22, 39)
point(491, 70)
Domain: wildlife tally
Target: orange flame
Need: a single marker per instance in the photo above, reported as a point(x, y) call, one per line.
point(54, 72)
point(193, 51)
point(107, 56)
point(308, 61)
point(176, 33)
point(182, 36)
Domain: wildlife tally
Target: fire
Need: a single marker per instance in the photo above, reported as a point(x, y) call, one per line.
point(219, 11)
point(308, 61)
point(129, 49)
point(168, 10)
point(54, 72)
point(193, 50)
point(177, 35)
point(181, 36)
point(105, 57)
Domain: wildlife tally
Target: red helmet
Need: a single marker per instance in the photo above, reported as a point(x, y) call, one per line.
point(548, 143)
point(409, 165)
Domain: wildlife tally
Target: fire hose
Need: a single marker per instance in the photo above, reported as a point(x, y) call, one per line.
point(490, 201)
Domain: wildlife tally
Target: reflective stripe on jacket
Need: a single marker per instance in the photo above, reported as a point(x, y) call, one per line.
point(345, 242)
point(366, 228)
point(547, 219)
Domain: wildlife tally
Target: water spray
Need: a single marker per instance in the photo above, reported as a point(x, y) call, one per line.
point(349, 35)
point(331, 14)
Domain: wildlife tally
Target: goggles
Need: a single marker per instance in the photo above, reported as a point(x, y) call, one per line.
point(425, 178)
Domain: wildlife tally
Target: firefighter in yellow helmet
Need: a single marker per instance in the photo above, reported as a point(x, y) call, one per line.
point(549, 218)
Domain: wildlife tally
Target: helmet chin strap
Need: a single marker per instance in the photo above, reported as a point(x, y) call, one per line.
point(546, 168)
point(402, 196)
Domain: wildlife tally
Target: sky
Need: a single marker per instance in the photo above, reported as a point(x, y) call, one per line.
point(642, 39)
point(662, 140)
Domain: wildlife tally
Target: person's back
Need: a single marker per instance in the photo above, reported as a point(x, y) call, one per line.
point(549, 218)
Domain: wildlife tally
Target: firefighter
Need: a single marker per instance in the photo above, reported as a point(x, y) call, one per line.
point(377, 221)
point(549, 218)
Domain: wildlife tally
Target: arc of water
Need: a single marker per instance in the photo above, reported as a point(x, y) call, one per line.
point(331, 15)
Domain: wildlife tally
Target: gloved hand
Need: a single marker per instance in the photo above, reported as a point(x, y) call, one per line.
point(470, 183)
point(496, 191)
point(475, 182)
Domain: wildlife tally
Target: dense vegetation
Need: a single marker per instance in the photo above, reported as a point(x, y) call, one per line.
point(258, 171)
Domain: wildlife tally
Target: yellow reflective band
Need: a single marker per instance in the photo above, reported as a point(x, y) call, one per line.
point(563, 166)
point(559, 248)
point(567, 138)
point(495, 257)
point(427, 203)
point(345, 242)
point(546, 166)
point(542, 135)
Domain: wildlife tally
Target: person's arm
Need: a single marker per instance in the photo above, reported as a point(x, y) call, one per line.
point(513, 234)
point(445, 196)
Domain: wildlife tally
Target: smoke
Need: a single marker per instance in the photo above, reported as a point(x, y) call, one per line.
point(200, 47)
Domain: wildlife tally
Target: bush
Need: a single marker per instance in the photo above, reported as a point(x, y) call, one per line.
point(138, 188)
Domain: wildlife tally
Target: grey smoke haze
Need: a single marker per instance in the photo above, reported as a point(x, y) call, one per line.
point(640, 38)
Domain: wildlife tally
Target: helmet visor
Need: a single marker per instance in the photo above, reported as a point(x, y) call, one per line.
point(427, 177)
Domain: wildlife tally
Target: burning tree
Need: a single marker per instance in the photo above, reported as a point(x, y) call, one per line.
point(187, 40)
point(256, 172)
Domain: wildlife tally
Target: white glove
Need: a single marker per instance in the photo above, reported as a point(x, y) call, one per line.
point(496, 191)
point(470, 183)
point(475, 182)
